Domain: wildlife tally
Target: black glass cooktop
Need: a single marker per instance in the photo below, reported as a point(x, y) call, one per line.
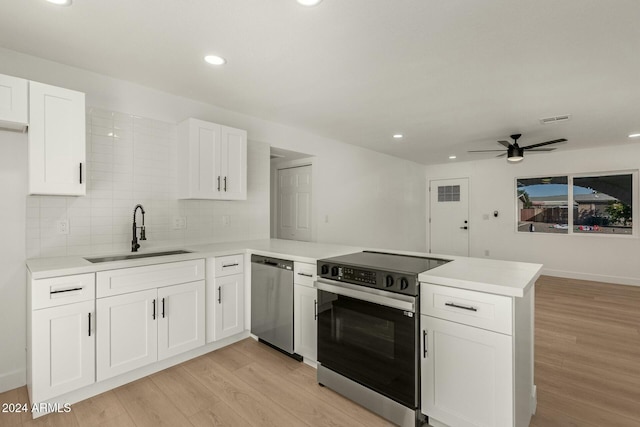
point(399, 263)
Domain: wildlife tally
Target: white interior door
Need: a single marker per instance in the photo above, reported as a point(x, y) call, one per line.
point(294, 203)
point(449, 216)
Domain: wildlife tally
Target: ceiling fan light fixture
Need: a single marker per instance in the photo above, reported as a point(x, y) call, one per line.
point(515, 154)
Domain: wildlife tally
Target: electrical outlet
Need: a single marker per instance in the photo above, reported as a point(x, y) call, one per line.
point(226, 220)
point(63, 226)
point(179, 223)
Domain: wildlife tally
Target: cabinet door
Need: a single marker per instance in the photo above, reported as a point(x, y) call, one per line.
point(180, 318)
point(56, 141)
point(63, 349)
point(13, 102)
point(234, 164)
point(466, 374)
point(127, 332)
point(305, 331)
point(225, 299)
point(200, 175)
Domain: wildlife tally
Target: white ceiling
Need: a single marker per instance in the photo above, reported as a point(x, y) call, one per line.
point(451, 75)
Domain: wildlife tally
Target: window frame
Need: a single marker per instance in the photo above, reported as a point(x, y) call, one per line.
point(635, 202)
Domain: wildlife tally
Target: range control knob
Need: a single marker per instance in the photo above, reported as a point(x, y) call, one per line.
point(404, 283)
point(334, 271)
point(324, 269)
point(388, 281)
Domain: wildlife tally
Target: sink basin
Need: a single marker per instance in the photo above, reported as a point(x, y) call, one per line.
point(135, 256)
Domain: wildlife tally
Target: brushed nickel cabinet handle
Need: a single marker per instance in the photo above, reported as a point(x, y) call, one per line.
point(463, 307)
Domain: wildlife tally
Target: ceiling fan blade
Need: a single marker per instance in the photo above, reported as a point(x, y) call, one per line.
point(555, 141)
point(534, 150)
point(505, 143)
point(501, 155)
point(484, 151)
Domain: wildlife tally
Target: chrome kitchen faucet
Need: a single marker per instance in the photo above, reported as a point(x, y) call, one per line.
point(134, 243)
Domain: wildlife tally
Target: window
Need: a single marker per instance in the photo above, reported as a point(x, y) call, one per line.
point(542, 205)
point(448, 193)
point(580, 204)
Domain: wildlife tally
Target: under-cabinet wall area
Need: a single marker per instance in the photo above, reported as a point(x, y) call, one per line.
point(131, 160)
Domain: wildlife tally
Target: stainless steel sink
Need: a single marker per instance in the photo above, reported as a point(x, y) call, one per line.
point(135, 256)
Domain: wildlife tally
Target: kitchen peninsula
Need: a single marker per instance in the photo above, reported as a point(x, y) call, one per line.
point(476, 320)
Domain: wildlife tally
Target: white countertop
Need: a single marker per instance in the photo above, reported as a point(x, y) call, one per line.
point(484, 275)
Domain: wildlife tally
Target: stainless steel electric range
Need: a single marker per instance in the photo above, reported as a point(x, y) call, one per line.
point(368, 331)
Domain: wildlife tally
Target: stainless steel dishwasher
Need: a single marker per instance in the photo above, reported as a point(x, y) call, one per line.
point(272, 302)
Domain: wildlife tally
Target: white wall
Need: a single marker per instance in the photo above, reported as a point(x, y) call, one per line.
point(492, 187)
point(13, 187)
point(370, 199)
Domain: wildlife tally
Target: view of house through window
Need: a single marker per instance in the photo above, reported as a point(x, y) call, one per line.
point(598, 204)
point(542, 204)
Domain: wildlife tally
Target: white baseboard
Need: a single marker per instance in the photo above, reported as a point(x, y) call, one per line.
point(11, 380)
point(534, 399)
point(619, 280)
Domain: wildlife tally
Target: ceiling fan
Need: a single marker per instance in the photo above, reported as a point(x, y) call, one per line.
point(515, 153)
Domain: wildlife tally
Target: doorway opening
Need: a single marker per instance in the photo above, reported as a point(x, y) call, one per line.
point(292, 204)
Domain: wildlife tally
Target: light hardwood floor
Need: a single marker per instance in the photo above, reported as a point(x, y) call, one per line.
point(587, 373)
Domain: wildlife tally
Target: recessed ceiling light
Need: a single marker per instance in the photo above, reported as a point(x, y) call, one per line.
point(309, 2)
point(398, 136)
point(634, 135)
point(60, 2)
point(215, 60)
point(453, 157)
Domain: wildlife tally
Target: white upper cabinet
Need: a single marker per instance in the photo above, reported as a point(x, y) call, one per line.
point(56, 141)
point(212, 161)
point(14, 102)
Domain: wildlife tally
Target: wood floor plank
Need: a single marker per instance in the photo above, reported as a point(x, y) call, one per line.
point(14, 418)
point(241, 397)
point(218, 415)
point(296, 399)
point(307, 377)
point(230, 358)
point(98, 409)
point(181, 388)
point(148, 406)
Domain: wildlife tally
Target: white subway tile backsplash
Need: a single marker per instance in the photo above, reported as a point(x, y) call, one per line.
point(131, 161)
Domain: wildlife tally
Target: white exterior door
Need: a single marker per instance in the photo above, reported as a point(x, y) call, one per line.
point(305, 332)
point(56, 141)
point(63, 349)
point(294, 203)
point(449, 216)
point(180, 318)
point(466, 374)
point(127, 333)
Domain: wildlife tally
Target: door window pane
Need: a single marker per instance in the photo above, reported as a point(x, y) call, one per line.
point(543, 205)
point(448, 193)
point(602, 204)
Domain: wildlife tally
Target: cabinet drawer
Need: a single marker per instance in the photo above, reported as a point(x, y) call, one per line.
point(62, 290)
point(115, 282)
point(304, 274)
point(486, 311)
point(228, 265)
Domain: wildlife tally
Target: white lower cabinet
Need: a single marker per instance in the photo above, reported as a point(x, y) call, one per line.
point(225, 296)
point(62, 350)
point(305, 315)
point(138, 328)
point(225, 299)
point(127, 332)
point(466, 374)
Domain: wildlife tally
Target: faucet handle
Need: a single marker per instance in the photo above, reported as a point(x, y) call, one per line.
point(142, 233)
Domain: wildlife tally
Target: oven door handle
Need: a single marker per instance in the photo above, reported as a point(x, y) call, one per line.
point(396, 301)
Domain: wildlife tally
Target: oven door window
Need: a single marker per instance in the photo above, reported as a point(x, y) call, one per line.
point(371, 344)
